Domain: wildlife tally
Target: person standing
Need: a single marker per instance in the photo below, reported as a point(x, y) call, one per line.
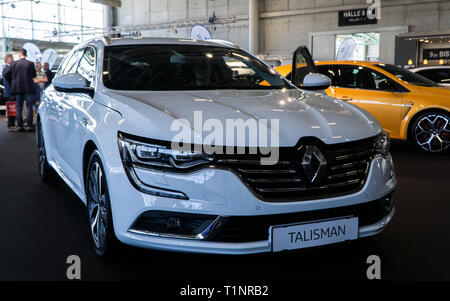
point(49, 74)
point(21, 74)
point(7, 90)
point(40, 82)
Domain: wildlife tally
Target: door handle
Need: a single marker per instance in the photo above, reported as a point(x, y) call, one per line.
point(346, 98)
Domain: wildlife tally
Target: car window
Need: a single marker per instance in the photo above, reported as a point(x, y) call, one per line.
point(63, 64)
point(185, 67)
point(86, 66)
point(72, 63)
point(436, 75)
point(407, 76)
point(329, 71)
point(364, 78)
point(347, 76)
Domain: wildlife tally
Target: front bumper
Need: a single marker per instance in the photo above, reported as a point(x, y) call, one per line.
point(195, 246)
point(220, 193)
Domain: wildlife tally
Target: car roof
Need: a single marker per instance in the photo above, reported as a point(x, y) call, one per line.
point(359, 63)
point(428, 68)
point(168, 41)
point(286, 69)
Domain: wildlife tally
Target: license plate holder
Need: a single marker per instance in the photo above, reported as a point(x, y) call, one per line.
point(312, 234)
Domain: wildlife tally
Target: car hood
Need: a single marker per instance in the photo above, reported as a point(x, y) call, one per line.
point(299, 113)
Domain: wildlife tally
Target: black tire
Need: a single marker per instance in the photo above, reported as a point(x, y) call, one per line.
point(430, 132)
point(102, 234)
point(46, 172)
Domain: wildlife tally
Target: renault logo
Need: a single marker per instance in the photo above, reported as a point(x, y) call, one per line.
point(313, 163)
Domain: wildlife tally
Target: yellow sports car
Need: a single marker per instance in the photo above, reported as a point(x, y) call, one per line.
point(407, 105)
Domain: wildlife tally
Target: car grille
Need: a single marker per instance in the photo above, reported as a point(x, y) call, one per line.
point(345, 172)
point(256, 228)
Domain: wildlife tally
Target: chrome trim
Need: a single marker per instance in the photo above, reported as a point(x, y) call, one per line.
point(201, 236)
point(139, 185)
point(379, 226)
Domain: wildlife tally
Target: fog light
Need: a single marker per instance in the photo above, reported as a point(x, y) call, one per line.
point(173, 223)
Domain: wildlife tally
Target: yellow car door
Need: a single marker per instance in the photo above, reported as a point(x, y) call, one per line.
point(372, 91)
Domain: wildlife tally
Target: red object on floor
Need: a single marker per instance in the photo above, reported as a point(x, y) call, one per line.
point(10, 108)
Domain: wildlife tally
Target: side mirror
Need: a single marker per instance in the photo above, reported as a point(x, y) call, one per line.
point(71, 83)
point(316, 81)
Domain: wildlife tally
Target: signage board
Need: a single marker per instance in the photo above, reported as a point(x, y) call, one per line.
point(358, 16)
point(436, 54)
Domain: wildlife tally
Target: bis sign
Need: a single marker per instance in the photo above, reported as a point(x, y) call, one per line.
point(436, 54)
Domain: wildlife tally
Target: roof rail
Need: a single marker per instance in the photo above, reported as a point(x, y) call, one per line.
point(107, 40)
point(224, 42)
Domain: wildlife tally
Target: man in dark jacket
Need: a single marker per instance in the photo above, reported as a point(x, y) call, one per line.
point(21, 76)
point(7, 90)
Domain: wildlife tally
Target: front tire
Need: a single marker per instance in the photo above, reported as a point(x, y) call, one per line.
point(45, 171)
point(430, 132)
point(98, 204)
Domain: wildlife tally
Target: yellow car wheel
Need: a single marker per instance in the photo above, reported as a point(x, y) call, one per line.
point(430, 132)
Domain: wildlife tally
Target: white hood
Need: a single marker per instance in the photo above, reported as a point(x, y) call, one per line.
point(300, 114)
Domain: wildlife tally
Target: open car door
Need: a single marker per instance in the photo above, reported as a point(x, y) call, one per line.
point(302, 65)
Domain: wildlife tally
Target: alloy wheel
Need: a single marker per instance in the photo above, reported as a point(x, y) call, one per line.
point(432, 132)
point(42, 157)
point(98, 210)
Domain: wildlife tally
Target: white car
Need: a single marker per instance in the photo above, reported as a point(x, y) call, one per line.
point(439, 74)
point(107, 124)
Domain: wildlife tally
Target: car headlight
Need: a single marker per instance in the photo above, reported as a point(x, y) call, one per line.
point(159, 156)
point(382, 143)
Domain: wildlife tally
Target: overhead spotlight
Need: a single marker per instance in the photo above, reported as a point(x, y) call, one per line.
point(13, 5)
point(54, 32)
point(37, 1)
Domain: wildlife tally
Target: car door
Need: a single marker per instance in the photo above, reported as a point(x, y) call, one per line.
point(75, 119)
point(372, 91)
point(302, 64)
point(54, 109)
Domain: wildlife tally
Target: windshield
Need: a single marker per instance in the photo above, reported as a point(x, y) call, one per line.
point(185, 67)
point(407, 76)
